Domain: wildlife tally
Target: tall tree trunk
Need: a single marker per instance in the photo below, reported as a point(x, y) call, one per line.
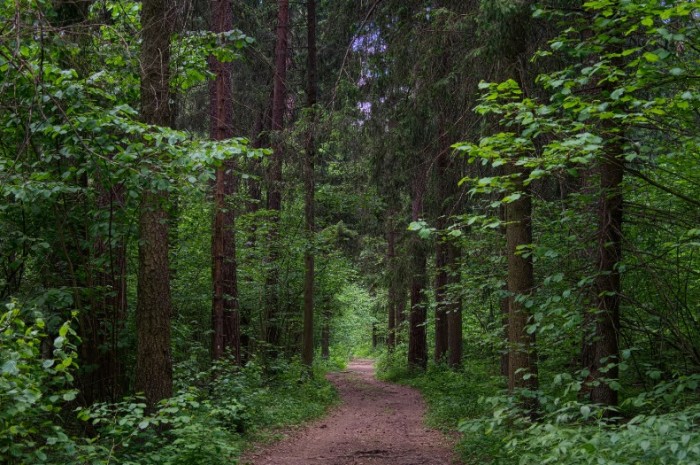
point(607, 283)
point(279, 94)
point(522, 358)
point(441, 297)
point(454, 316)
point(417, 335)
point(392, 291)
point(444, 189)
point(307, 355)
point(153, 308)
point(225, 309)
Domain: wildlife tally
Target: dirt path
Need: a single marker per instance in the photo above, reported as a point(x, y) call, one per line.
point(376, 423)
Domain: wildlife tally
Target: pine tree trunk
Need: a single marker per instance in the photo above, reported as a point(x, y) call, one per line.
point(441, 297)
point(607, 283)
point(225, 309)
point(309, 187)
point(417, 335)
point(454, 316)
point(522, 359)
point(153, 308)
point(279, 93)
point(392, 291)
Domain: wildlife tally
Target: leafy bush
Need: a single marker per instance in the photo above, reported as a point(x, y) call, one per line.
point(575, 432)
point(33, 390)
point(208, 424)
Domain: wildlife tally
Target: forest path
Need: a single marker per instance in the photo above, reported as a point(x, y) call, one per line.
point(376, 423)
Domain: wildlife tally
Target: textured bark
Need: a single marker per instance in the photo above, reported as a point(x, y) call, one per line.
point(279, 94)
point(225, 308)
point(522, 359)
point(607, 283)
point(417, 336)
point(153, 308)
point(307, 354)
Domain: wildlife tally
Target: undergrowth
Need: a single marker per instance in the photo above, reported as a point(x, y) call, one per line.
point(495, 431)
point(211, 419)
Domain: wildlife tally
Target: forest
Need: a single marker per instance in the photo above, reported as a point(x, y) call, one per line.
point(208, 208)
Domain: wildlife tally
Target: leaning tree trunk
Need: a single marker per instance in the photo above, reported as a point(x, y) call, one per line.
point(153, 308)
point(225, 309)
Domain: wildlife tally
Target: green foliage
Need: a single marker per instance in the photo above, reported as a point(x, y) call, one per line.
point(576, 432)
point(33, 390)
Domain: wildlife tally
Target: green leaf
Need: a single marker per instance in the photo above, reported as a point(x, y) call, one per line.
point(651, 57)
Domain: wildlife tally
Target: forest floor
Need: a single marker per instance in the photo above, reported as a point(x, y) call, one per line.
point(375, 423)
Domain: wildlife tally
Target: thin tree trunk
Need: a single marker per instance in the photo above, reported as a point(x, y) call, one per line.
point(279, 93)
point(607, 283)
point(454, 316)
point(392, 292)
point(417, 335)
point(444, 192)
point(309, 187)
point(441, 297)
point(153, 309)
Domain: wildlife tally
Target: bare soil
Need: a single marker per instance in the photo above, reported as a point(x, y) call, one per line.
point(376, 423)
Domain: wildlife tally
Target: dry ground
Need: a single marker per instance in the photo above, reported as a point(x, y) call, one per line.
point(376, 423)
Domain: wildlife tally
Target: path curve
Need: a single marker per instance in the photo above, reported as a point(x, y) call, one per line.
point(376, 423)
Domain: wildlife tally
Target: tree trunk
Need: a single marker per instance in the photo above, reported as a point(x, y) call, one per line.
point(417, 336)
point(225, 308)
point(309, 187)
point(153, 308)
point(441, 297)
point(607, 283)
point(522, 359)
point(392, 291)
point(454, 316)
point(279, 93)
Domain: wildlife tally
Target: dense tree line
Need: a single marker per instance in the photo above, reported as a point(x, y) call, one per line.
point(198, 192)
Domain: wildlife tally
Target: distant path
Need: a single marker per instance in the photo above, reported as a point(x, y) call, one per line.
point(377, 423)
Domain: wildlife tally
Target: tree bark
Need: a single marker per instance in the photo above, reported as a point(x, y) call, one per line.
point(522, 358)
point(441, 297)
point(225, 308)
point(309, 187)
point(417, 335)
point(279, 94)
point(444, 189)
point(392, 291)
point(607, 283)
point(153, 308)
point(454, 316)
